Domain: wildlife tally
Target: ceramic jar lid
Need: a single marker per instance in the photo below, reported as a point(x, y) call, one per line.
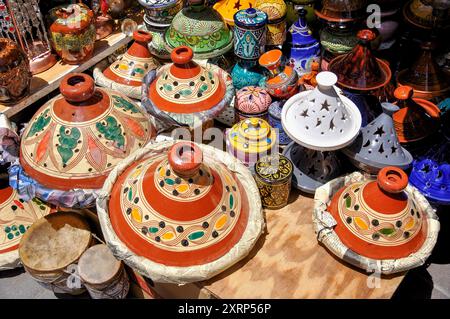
point(416, 119)
point(228, 8)
point(321, 119)
point(252, 100)
point(252, 135)
point(377, 145)
point(74, 140)
point(201, 28)
point(185, 86)
point(274, 169)
point(275, 9)
point(378, 219)
point(360, 70)
point(70, 18)
point(131, 67)
point(341, 10)
point(250, 18)
point(179, 207)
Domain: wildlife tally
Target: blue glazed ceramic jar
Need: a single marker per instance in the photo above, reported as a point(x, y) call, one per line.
point(275, 121)
point(249, 33)
point(301, 47)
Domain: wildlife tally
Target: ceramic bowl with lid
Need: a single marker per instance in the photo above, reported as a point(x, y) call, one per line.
point(251, 101)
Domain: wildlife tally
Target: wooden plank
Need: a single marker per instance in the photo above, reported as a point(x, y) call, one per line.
point(288, 262)
point(48, 81)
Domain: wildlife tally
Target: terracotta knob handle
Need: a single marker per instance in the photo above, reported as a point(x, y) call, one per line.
point(77, 87)
point(182, 55)
point(142, 36)
point(392, 179)
point(185, 158)
point(271, 60)
point(366, 35)
point(404, 92)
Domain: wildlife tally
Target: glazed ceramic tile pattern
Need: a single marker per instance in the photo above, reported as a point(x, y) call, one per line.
point(227, 8)
point(16, 216)
point(66, 146)
point(250, 33)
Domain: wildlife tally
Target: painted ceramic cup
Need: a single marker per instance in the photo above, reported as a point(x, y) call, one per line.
point(247, 73)
point(73, 32)
point(273, 175)
point(251, 139)
point(161, 11)
point(250, 33)
point(251, 101)
point(276, 27)
point(15, 75)
point(283, 80)
point(275, 110)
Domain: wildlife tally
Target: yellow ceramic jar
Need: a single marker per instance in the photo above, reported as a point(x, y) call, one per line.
point(276, 12)
point(227, 8)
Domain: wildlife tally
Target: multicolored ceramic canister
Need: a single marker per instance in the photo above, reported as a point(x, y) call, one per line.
point(275, 121)
point(250, 33)
point(251, 101)
point(273, 175)
point(276, 27)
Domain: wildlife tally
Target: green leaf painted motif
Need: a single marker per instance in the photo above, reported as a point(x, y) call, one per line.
point(122, 103)
point(139, 70)
point(185, 92)
point(68, 140)
point(196, 235)
point(231, 201)
point(387, 231)
point(41, 122)
point(203, 88)
point(169, 181)
point(167, 87)
point(153, 230)
point(111, 131)
point(348, 202)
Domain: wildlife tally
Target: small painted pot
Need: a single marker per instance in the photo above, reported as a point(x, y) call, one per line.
point(250, 33)
point(276, 27)
point(251, 101)
point(273, 175)
point(161, 11)
point(275, 110)
point(251, 139)
point(247, 73)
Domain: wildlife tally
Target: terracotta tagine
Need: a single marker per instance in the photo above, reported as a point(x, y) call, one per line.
point(419, 13)
point(251, 139)
point(227, 8)
point(104, 23)
point(425, 76)
point(73, 32)
point(283, 79)
point(15, 75)
point(74, 140)
point(187, 91)
point(417, 118)
point(431, 174)
point(251, 101)
point(341, 10)
point(202, 29)
point(377, 145)
point(129, 70)
point(276, 26)
point(321, 119)
point(161, 11)
point(378, 219)
point(16, 216)
point(177, 207)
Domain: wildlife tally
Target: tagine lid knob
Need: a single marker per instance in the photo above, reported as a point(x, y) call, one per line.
point(77, 87)
point(392, 179)
point(185, 158)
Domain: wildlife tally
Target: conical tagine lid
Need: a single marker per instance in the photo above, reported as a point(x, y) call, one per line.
point(377, 145)
point(74, 140)
point(321, 119)
point(131, 67)
point(360, 69)
point(180, 206)
point(378, 219)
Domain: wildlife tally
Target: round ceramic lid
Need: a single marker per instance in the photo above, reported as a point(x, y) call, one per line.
point(74, 140)
point(252, 100)
point(185, 86)
point(274, 168)
point(179, 208)
point(202, 29)
point(321, 119)
point(377, 219)
point(275, 9)
point(16, 216)
point(252, 135)
point(250, 17)
point(228, 8)
point(70, 18)
point(377, 145)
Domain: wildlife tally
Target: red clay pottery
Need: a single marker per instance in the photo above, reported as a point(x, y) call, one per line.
point(74, 140)
point(416, 119)
point(15, 75)
point(379, 219)
point(420, 14)
point(73, 32)
point(178, 207)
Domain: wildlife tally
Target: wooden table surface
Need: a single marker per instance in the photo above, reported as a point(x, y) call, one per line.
point(288, 262)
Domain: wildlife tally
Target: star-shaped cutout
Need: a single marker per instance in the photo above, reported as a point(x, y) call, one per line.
point(305, 113)
point(318, 122)
point(237, 5)
point(332, 124)
point(379, 131)
point(312, 171)
point(325, 106)
point(426, 169)
point(393, 149)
